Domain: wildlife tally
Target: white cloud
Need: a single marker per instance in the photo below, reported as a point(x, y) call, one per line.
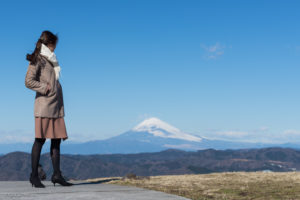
point(291, 132)
point(232, 133)
point(181, 146)
point(261, 135)
point(16, 136)
point(213, 51)
point(228, 135)
point(27, 136)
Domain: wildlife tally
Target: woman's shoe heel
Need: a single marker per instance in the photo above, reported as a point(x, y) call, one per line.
point(36, 182)
point(58, 178)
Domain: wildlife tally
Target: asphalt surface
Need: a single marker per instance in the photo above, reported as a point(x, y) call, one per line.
point(15, 190)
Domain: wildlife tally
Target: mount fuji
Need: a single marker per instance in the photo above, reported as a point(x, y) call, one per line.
point(153, 135)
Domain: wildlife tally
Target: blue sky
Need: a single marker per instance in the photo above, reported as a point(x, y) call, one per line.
point(220, 69)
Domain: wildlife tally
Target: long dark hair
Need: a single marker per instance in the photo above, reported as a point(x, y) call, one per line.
point(46, 38)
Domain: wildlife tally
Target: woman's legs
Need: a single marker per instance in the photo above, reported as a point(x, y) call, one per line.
point(55, 154)
point(35, 154)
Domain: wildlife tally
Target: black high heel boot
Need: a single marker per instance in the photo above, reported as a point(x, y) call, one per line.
point(36, 182)
point(58, 178)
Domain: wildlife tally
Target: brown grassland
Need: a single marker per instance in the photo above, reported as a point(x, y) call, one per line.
point(226, 185)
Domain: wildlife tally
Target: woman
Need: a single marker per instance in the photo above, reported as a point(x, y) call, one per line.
point(42, 76)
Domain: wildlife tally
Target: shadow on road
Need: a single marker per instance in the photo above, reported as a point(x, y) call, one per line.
point(96, 182)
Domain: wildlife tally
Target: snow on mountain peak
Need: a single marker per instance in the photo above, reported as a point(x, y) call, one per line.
point(160, 128)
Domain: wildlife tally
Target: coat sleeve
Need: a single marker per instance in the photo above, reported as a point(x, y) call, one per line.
point(32, 83)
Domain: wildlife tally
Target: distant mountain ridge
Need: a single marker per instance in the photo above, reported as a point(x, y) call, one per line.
point(17, 165)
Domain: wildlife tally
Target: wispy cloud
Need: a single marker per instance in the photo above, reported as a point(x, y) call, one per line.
point(26, 136)
point(213, 51)
point(181, 146)
point(228, 135)
point(232, 133)
point(16, 136)
point(292, 132)
point(262, 134)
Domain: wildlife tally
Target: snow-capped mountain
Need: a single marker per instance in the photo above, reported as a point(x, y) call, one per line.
point(159, 128)
point(153, 135)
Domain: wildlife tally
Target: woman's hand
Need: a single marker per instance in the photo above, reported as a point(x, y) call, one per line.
point(48, 88)
point(31, 81)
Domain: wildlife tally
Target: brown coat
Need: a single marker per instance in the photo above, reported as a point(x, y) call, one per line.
point(47, 103)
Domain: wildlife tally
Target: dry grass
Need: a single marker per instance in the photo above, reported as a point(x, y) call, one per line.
point(228, 185)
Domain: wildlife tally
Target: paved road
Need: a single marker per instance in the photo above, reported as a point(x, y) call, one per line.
point(16, 190)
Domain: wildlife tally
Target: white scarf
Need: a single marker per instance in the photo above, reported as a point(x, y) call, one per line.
point(45, 51)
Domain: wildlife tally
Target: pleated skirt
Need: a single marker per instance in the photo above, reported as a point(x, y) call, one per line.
point(51, 128)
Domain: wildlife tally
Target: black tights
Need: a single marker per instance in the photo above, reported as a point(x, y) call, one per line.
point(54, 152)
